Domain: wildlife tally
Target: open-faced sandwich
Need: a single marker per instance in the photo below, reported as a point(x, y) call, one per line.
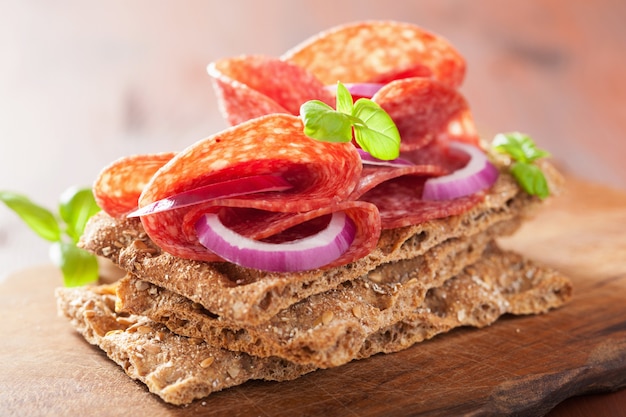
point(350, 210)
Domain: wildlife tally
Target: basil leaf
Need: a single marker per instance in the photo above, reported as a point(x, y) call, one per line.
point(76, 206)
point(78, 266)
point(38, 218)
point(378, 135)
point(513, 151)
point(344, 99)
point(374, 130)
point(522, 149)
point(323, 123)
point(519, 146)
point(531, 179)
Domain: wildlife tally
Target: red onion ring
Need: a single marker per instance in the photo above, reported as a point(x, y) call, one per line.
point(303, 254)
point(478, 174)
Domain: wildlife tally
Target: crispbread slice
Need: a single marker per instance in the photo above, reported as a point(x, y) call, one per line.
point(176, 368)
point(180, 369)
point(325, 329)
point(501, 282)
point(251, 297)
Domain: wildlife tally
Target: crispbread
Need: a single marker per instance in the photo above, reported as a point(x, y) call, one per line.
point(349, 313)
point(176, 368)
point(251, 297)
point(501, 282)
point(180, 369)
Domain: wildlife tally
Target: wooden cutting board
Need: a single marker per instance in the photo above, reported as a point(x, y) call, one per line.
point(522, 365)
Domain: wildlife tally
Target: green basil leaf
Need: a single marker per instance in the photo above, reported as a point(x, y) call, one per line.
point(374, 130)
point(76, 206)
point(530, 150)
point(344, 99)
point(531, 179)
point(78, 266)
point(510, 144)
point(378, 135)
point(533, 153)
point(519, 146)
point(323, 123)
point(38, 218)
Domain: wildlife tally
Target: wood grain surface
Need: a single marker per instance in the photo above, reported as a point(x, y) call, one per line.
point(521, 365)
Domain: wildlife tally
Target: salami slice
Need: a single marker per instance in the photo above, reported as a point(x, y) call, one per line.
point(252, 86)
point(280, 227)
point(378, 51)
point(322, 174)
point(397, 191)
point(234, 172)
point(375, 176)
point(119, 185)
point(369, 52)
point(399, 203)
point(424, 109)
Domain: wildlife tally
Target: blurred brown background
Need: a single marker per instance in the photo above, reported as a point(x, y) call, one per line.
point(85, 82)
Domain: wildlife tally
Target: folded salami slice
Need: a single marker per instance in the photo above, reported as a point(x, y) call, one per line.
point(418, 73)
point(378, 51)
point(119, 185)
point(322, 176)
point(399, 203)
point(251, 86)
point(425, 110)
point(397, 191)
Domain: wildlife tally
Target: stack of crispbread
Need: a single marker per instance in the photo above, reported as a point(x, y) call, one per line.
point(188, 328)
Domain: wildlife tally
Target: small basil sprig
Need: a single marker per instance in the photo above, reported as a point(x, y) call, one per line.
point(374, 130)
point(76, 206)
point(524, 152)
